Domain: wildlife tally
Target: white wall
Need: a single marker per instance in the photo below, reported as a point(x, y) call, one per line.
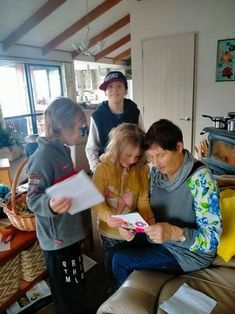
point(212, 20)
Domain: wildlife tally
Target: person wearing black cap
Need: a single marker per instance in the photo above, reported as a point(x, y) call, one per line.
point(112, 112)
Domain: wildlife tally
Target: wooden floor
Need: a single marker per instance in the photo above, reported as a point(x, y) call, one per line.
point(97, 281)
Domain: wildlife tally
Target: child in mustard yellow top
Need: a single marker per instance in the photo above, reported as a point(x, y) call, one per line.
point(122, 177)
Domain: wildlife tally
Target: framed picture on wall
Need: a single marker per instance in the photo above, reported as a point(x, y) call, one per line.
point(225, 61)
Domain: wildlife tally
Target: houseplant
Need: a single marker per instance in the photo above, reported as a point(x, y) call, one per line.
point(10, 144)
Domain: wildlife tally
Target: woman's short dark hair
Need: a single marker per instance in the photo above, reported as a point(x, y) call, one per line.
point(165, 134)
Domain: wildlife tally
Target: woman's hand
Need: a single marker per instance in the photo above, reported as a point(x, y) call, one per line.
point(126, 234)
point(60, 205)
point(114, 222)
point(163, 231)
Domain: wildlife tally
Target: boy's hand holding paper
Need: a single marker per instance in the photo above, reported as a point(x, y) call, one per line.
point(80, 189)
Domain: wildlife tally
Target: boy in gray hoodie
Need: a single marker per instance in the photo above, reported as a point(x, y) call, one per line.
point(58, 232)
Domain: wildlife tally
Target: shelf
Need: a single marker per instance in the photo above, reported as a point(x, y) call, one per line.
point(21, 241)
point(24, 287)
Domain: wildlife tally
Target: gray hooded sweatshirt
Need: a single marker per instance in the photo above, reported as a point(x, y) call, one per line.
point(176, 202)
point(50, 164)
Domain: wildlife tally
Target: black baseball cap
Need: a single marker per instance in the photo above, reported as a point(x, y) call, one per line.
point(113, 76)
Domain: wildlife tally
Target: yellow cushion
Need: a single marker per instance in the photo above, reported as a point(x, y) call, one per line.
point(226, 248)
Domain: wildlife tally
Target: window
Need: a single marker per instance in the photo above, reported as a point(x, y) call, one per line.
point(13, 93)
point(26, 90)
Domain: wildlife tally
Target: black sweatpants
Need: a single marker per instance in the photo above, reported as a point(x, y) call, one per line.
point(67, 279)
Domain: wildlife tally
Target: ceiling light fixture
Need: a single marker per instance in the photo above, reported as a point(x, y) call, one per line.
point(84, 47)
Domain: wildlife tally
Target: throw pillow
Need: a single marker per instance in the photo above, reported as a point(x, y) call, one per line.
point(226, 248)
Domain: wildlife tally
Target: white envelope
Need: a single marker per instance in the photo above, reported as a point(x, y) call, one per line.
point(187, 300)
point(80, 188)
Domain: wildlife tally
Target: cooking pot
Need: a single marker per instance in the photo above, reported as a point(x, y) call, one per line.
point(231, 115)
point(218, 122)
point(231, 124)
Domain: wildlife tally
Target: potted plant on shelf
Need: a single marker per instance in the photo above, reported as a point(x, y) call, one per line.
point(10, 144)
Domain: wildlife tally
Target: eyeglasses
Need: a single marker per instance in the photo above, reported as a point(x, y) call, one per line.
point(84, 130)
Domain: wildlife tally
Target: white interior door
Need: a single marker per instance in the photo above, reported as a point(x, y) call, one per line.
point(168, 81)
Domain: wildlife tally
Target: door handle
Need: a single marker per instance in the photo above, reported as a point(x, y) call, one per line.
point(186, 118)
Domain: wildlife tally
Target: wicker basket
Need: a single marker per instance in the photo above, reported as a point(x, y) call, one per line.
point(32, 262)
point(21, 220)
point(9, 278)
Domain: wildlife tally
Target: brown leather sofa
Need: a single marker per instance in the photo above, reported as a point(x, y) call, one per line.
point(144, 290)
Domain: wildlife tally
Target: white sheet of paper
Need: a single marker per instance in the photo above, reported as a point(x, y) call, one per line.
point(80, 188)
point(188, 300)
point(133, 221)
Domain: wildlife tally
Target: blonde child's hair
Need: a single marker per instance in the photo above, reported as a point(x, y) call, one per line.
point(62, 113)
point(121, 137)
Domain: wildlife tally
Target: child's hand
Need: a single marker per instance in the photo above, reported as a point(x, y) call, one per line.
point(126, 234)
point(114, 222)
point(60, 205)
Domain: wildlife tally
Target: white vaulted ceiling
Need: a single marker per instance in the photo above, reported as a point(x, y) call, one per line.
point(61, 25)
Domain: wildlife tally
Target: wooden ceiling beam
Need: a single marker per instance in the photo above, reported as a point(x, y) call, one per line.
point(105, 33)
point(77, 26)
point(122, 55)
point(113, 47)
point(45, 10)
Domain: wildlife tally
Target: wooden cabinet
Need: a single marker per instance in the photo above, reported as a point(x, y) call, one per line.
point(21, 241)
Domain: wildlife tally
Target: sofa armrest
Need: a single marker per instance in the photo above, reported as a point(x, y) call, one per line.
point(138, 294)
